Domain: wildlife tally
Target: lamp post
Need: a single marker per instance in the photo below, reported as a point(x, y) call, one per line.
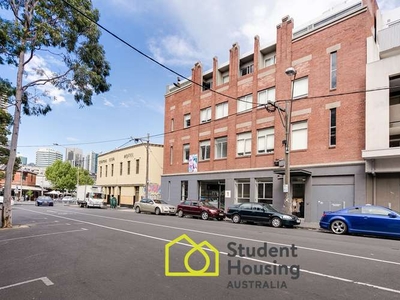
point(147, 162)
point(286, 122)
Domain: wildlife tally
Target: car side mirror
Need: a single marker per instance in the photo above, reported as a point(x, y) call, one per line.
point(392, 215)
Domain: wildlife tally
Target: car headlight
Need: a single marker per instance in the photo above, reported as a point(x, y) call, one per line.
point(287, 217)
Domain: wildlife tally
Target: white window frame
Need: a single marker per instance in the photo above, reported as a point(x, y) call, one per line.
point(243, 144)
point(205, 115)
point(245, 103)
point(221, 110)
point(264, 198)
point(332, 127)
point(186, 121)
point(221, 147)
point(225, 78)
point(247, 68)
point(269, 60)
point(242, 186)
point(265, 140)
point(265, 95)
point(300, 87)
point(205, 147)
point(333, 77)
point(299, 137)
point(186, 153)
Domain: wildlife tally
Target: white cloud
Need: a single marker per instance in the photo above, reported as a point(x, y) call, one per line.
point(38, 68)
point(108, 103)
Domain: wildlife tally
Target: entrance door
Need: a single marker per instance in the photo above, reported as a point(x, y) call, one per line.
point(298, 199)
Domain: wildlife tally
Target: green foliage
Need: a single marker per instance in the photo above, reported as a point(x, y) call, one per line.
point(41, 27)
point(64, 177)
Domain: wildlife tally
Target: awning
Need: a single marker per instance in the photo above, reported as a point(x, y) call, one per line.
point(28, 187)
point(294, 172)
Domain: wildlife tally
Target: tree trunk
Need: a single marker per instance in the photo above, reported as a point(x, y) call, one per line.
point(6, 213)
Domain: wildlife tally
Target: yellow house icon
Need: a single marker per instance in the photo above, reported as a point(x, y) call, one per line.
point(201, 248)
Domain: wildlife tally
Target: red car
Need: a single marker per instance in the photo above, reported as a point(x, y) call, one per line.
point(197, 208)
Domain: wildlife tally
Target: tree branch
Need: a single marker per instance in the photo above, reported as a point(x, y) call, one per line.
point(44, 81)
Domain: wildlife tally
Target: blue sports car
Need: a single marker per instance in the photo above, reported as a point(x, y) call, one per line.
point(364, 219)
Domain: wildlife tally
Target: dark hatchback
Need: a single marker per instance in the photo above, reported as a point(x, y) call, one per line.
point(363, 219)
point(44, 200)
point(202, 209)
point(260, 213)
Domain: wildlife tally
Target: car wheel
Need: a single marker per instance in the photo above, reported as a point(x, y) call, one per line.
point(180, 213)
point(276, 222)
point(338, 227)
point(236, 218)
point(137, 209)
point(157, 211)
point(204, 215)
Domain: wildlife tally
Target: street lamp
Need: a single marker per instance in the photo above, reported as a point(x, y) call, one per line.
point(286, 122)
point(147, 162)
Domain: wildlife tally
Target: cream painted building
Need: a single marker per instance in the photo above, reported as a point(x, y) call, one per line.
point(123, 173)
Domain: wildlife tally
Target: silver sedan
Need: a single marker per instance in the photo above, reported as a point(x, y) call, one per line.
point(154, 206)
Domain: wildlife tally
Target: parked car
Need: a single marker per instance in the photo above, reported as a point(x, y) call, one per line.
point(2, 199)
point(197, 208)
point(44, 200)
point(364, 219)
point(261, 213)
point(68, 200)
point(154, 206)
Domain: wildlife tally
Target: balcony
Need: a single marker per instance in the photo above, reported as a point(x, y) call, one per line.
point(389, 40)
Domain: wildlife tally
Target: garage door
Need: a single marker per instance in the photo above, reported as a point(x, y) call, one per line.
point(331, 193)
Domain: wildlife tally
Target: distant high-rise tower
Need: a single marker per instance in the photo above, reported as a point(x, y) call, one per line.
point(74, 157)
point(91, 162)
point(46, 157)
point(24, 160)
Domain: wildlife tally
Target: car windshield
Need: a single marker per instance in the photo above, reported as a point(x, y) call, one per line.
point(207, 204)
point(160, 202)
point(270, 207)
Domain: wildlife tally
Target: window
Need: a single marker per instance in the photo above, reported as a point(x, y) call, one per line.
point(112, 170)
point(269, 61)
point(186, 121)
point(244, 144)
point(265, 95)
point(394, 112)
point(137, 166)
point(265, 140)
point(205, 115)
point(106, 171)
point(332, 128)
point(246, 69)
point(264, 190)
point(184, 190)
point(245, 103)
point(299, 136)
point(128, 169)
point(205, 150)
point(333, 70)
point(171, 155)
point(300, 87)
point(120, 169)
point(172, 124)
point(221, 110)
point(243, 191)
point(225, 78)
point(186, 153)
point(207, 85)
point(221, 147)
point(101, 171)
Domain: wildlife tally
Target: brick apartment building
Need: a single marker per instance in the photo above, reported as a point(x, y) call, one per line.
point(222, 144)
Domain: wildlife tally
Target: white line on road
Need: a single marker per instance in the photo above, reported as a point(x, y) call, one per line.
point(245, 239)
point(224, 253)
point(44, 234)
point(45, 280)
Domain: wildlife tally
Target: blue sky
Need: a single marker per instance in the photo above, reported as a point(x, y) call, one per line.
point(176, 33)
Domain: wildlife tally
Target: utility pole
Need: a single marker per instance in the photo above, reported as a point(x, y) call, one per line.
point(147, 166)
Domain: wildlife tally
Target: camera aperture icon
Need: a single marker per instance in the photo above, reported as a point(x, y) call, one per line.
point(204, 248)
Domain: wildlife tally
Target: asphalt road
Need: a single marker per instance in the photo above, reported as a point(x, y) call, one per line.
point(67, 252)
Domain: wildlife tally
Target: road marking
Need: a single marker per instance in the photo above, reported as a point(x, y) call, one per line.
point(44, 234)
point(244, 239)
point(45, 280)
point(224, 253)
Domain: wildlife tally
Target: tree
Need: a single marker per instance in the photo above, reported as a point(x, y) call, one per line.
point(64, 177)
point(39, 28)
